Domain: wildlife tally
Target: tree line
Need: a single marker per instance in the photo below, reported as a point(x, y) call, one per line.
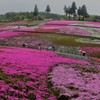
point(33, 15)
point(71, 12)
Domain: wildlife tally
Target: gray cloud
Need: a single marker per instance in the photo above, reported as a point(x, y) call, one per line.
point(56, 5)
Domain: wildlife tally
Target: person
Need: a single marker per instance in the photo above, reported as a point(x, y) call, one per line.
point(29, 25)
point(18, 27)
point(53, 48)
point(24, 45)
point(39, 46)
point(80, 51)
point(83, 53)
point(50, 48)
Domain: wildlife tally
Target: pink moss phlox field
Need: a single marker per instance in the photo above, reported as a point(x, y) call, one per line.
point(61, 23)
point(25, 30)
point(85, 23)
point(95, 24)
point(16, 23)
point(50, 26)
point(25, 72)
point(37, 58)
point(83, 80)
point(64, 23)
point(72, 30)
point(92, 51)
point(8, 34)
point(5, 28)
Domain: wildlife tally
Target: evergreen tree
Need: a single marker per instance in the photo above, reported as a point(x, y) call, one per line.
point(79, 12)
point(73, 9)
point(69, 12)
point(84, 12)
point(48, 10)
point(36, 11)
point(66, 10)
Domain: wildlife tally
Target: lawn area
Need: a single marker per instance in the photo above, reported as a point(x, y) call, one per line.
point(66, 40)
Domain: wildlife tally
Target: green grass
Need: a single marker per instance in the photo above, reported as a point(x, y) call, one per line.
point(65, 40)
point(3, 76)
point(88, 40)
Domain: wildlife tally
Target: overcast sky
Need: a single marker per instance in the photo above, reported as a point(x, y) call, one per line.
point(93, 6)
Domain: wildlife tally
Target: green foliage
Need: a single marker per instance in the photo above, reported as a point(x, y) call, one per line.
point(40, 18)
point(48, 10)
point(73, 8)
point(20, 96)
point(71, 87)
point(69, 11)
point(66, 10)
point(36, 11)
point(79, 12)
point(31, 96)
point(84, 12)
point(3, 76)
point(67, 40)
point(56, 92)
point(49, 15)
point(95, 18)
point(65, 17)
point(18, 16)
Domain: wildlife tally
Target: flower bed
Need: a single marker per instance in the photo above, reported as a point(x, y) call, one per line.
point(92, 51)
point(23, 73)
point(25, 30)
point(87, 24)
point(95, 59)
point(76, 82)
point(61, 23)
point(65, 27)
point(47, 30)
point(6, 28)
point(9, 34)
point(93, 24)
point(74, 31)
point(51, 26)
point(71, 30)
point(16, 23)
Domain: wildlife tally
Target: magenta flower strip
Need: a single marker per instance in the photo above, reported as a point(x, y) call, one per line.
point(25, 72)
point(72, 79)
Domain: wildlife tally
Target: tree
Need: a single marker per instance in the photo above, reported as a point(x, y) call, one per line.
point(73, 9)
point(36, 11)
point(79, 12)
point(66, 10)
point(84, 12)
point(69, 11)
point(48, 10)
